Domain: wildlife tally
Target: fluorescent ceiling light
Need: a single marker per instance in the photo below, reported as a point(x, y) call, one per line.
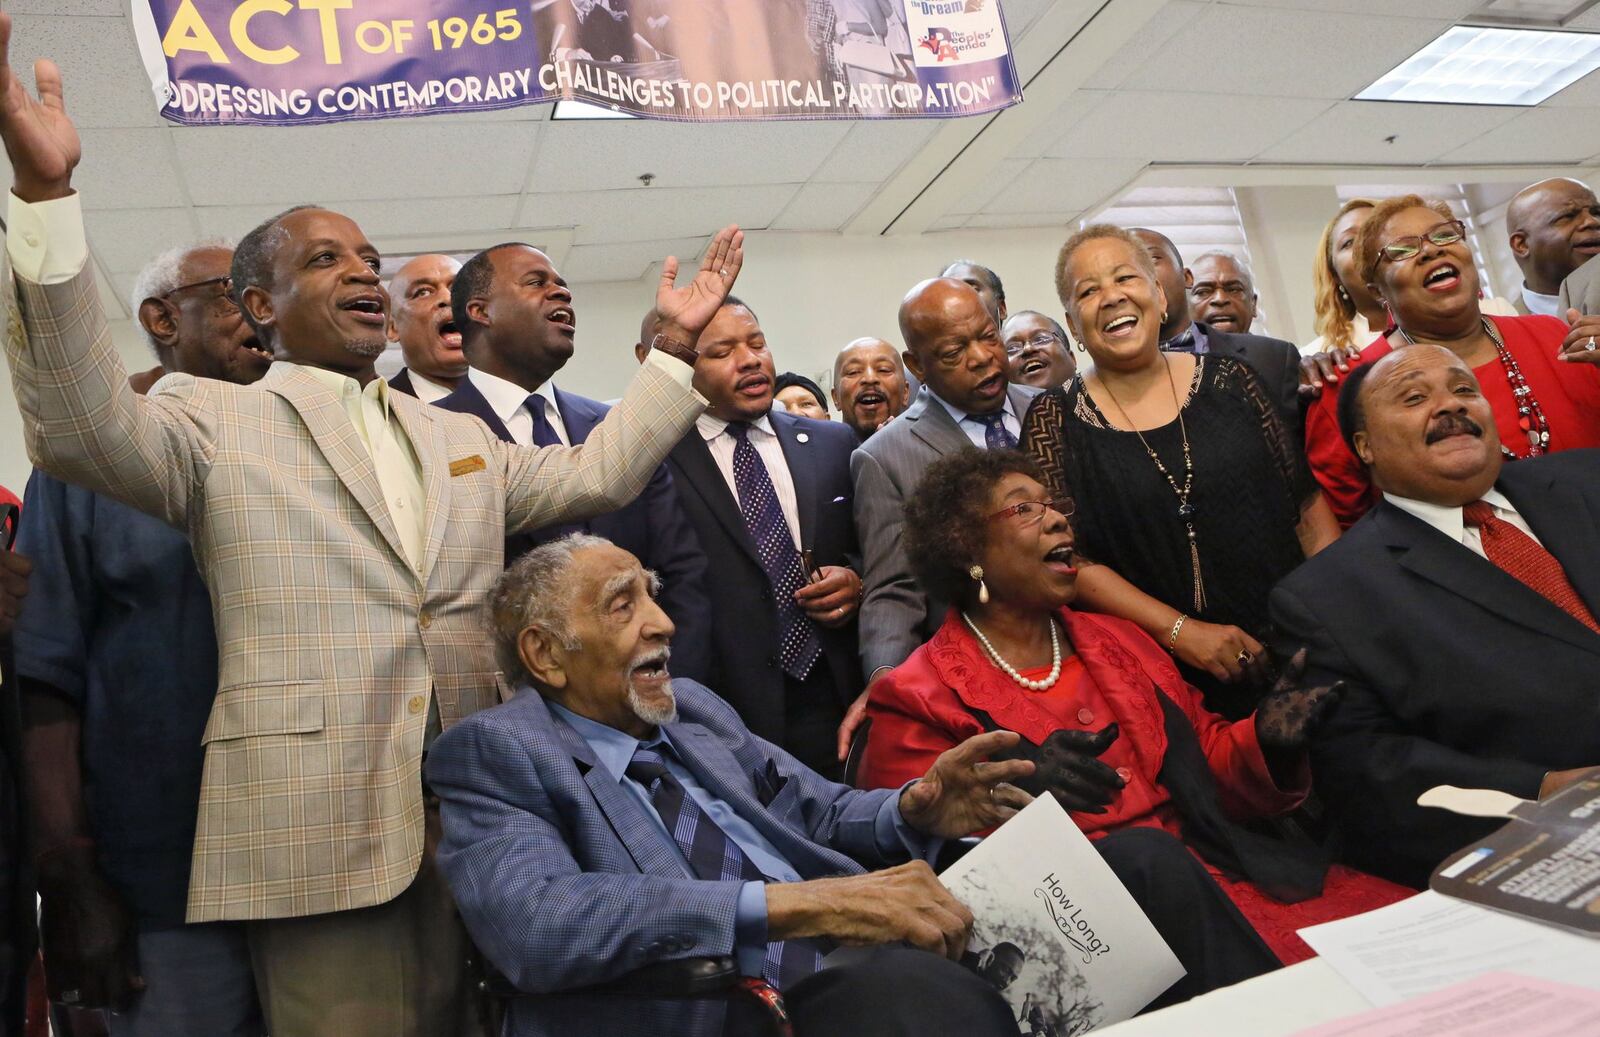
point(1476, 65)
point(585, 110)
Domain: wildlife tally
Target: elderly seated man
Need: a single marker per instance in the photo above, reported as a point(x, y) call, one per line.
point(609, 818)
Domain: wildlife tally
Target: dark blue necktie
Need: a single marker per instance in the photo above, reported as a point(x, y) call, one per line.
point(799, 646)
point(714, 857)
point(1184, 343)
point(995, 434)
point(544, 433)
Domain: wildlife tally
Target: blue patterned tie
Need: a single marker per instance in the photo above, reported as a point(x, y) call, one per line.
point(714, 857)
point(544, 433)
point(799, 646)
point(995, 434)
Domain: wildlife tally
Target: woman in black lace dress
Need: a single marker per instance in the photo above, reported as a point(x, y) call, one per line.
point(1192, 500)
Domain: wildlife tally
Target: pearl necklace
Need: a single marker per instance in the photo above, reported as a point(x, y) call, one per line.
point(1011, 671)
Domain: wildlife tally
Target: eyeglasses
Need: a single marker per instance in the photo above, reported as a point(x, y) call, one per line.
point(1403, 249)
point(1040, 340)
point(224, 298)
point(1032, 511)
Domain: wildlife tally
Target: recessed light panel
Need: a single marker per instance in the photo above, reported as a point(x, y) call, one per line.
point(1479, 65)
point(585, 110)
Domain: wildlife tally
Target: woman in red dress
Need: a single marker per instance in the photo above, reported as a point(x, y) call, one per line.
point(1119, 737)
point(1543, 385)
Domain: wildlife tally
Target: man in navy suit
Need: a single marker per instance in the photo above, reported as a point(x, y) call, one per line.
point(517, 324)
point(768, 493)
point(610, 818)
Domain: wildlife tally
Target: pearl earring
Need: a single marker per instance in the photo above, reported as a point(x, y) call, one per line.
point(976, 572)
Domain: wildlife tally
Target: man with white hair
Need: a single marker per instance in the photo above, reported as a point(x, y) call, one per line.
point(421, 321)
point(610, 818)
point(117, 660)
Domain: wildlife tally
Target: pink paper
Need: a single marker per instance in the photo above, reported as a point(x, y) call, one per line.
point(1492, 1005)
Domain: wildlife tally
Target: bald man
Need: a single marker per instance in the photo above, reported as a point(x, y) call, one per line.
point(1554, 228)
point(953, 346)
point(421, 321)
point(869, 385)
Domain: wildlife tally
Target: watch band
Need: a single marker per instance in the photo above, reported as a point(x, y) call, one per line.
point(675, 347)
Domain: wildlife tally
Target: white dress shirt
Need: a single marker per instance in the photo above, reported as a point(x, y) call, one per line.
point(769, 449)
point(977, 431)
point(428, 390)
point(1452, 521)
point(509, 402)
point(1548, 305)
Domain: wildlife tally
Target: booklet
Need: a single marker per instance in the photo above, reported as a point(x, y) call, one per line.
point(1053, 928)
point(1544, 864)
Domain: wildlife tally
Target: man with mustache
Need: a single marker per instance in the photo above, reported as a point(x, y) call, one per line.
point(421, 321)
point(610, 818)
point(1037, 352)
point(348, 536)
point(120, 620)
point(953, 347)
point(869, 385)
point(1459, 613)
point(768, 494)
point(518, 325)
point(1554, 228)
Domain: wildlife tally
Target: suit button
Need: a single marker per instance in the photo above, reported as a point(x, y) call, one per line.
point(425, 619)
point(1086, 716)
point(416, 704)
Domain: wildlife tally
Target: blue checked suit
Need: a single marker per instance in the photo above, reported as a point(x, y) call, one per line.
point(561, 875)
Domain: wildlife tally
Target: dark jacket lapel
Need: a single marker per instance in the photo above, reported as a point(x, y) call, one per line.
point(579, 415)
point(702, 477)
point(801, 471)
point(1562, 519)
point(468, 400)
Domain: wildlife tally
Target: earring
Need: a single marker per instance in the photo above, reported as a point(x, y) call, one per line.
point(1344, 294)
point(976, 572)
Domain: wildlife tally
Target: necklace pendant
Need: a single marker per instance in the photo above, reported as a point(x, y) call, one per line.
point(1186, 511)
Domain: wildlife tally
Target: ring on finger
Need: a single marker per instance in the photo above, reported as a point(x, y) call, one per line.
point(1589, 346)
point(1244, 658)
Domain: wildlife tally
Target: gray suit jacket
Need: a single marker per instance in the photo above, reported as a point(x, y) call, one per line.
point(1581, 290)
point(896, 614)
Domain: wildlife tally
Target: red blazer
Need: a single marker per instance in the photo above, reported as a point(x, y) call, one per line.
point(1568, 393)
point(924, 707)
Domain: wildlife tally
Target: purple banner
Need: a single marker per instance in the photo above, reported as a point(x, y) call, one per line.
point(277, 62)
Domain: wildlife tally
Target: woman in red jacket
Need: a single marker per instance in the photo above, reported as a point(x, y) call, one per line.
point(1119, 738)
point(1543, 385)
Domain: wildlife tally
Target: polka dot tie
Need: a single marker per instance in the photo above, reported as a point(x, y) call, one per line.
point(995, 434)
point(758, 504)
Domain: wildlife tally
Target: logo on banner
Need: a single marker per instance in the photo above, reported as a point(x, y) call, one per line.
point(954, 32)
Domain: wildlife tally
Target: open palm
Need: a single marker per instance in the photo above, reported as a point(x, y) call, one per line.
point(692, 306)
point(40, 140)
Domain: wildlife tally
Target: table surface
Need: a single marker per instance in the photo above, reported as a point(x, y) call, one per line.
point(1274, 1005)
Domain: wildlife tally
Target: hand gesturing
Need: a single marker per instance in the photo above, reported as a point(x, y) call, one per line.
point(691, 307)
point(1289, 714)
point(40, 140)
point(963, 793)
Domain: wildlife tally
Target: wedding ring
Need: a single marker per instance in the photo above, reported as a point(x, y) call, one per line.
point(991, 791)
point(723, 272)
point(1245, 658)
point(1589, 345)
point(71, 997)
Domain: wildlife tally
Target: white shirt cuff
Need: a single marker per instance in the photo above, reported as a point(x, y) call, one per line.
point(45, 240)
point(681, 372)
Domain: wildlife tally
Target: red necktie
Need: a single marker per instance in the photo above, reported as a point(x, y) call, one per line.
point(1521, 556)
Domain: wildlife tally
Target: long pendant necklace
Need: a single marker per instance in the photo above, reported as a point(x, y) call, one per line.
point(1530, 416)
point(1011, 671)
point(1186, 510)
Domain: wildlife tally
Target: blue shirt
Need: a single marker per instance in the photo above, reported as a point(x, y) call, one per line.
point(613, 750)
point(976, 431)
point(119, 620)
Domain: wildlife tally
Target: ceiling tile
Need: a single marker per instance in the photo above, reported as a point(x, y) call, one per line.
point(655, 213)
point(949, 223)
point(1053, 185)
point(392, 158)
point(1447, 9)
point(127, 239)
point(874, 151)
point(1024, 220)
point(403, 218)
point(824, 206)
point(100, 8)
point(1021, 14)
point(1355, 132)
point(127, 169)
point(1133, 57)
point(1537, 135)
point(1070, 112)
point(1589, 20)
point(101, 75)
point(1585, 93)
point(1003, 175)
point(628, 261)
point(1160, 127)
point(588, 156)
point(1282, 53)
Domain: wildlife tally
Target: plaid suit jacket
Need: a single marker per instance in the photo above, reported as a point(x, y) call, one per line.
point(330, 642)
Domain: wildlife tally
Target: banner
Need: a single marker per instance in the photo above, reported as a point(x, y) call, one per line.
point(284, 62)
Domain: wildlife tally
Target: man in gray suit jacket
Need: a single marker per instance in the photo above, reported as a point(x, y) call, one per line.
point(953, 347)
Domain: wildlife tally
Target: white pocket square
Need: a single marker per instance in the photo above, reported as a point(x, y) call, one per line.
point(838, 500)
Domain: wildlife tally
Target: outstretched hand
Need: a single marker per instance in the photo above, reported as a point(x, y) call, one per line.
point(1290, 713)
point(689, 309)
point(40, 140)
point(963, 793)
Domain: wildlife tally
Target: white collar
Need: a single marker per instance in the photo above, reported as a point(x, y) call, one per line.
point(506, 398)
point(428, 390)
point(1538, 302)
point(1449, 521)
point(711, 427)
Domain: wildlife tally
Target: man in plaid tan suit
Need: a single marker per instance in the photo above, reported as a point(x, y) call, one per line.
point(349, 537)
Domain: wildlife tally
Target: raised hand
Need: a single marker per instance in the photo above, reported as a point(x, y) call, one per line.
point(963, 792)
point(1289, 714)
point(686, 311)
point(40, 140)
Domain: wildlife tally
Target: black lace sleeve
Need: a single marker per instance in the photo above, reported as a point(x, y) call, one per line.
point(1287, 455)
point(1044, 438)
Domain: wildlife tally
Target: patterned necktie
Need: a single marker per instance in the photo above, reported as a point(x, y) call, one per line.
point(799, 646)
point(1521, 556)
point(544, 433)
point(995, 434)
point(714, 857)
point(1184, 343)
